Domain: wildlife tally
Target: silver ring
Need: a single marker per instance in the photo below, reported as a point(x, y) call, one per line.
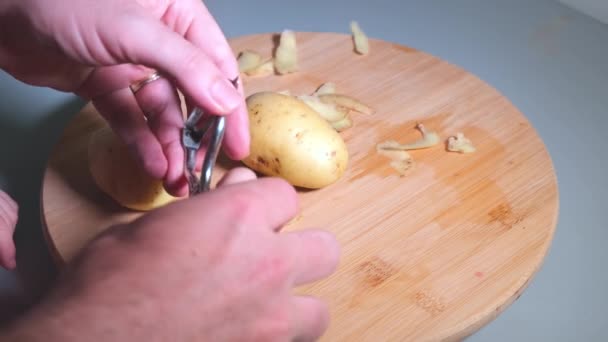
point(135, 87)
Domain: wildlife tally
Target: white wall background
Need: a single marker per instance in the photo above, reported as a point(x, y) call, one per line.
point(595, 8)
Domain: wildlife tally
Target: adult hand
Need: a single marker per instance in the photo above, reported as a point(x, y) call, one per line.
point(8, 220)
point(210, 268)
point(98, 48)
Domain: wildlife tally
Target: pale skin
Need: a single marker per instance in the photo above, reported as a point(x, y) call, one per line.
point(214, 267)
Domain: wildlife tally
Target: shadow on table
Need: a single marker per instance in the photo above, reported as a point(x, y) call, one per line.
point(23, 155)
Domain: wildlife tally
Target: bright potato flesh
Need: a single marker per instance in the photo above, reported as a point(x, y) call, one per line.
point(117, 174)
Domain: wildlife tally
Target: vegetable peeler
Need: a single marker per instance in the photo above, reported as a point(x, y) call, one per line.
point(197, 127)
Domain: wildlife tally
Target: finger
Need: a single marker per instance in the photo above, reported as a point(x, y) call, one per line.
point(237, 137)
point(237, 175)
point(104, 80)
point(139, 41)
point(266, 203)
point(4, 197)
point(309, 319)
point(160, 103)
point(315, 254)
point(8, 221)
point(205, 33)
point(124, 116)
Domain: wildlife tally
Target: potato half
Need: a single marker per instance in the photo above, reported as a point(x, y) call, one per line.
point(290, 140)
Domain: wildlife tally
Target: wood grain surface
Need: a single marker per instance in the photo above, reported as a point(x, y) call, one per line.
point(433, 255)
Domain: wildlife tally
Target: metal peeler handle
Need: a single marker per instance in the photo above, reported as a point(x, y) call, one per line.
point(218, 128)
point(192, 138)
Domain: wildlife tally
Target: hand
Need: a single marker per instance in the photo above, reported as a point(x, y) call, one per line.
point(98, 48)
point(8, 221)
point(210, 268)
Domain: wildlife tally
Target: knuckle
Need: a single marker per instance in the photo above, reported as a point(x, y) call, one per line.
point(8, 220)
point(226, 61)
point(273, 270)
point(5, 223)
point(193, 63)
point(243, 207)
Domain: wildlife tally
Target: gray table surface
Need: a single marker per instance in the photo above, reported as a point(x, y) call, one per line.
point(549, 60)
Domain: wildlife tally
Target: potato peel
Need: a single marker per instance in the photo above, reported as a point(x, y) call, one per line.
point(286, 58)
point(402, 166)
point(429, 139)
point(327, 111)
point(460, 143)
point(264, 69)
point(325, 88)
point(346, 101)
point(360, 39)
point(342, 124)
point(401, 161)
point(248, 60)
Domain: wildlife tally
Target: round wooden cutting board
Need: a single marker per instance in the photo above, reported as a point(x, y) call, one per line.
point(433, 255)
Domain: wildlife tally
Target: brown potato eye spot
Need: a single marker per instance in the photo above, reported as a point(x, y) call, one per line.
point(262, 161)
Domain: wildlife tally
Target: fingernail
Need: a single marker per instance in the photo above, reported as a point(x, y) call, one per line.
point(225, 95)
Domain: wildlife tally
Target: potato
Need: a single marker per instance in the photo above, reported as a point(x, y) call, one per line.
point(290, 140)
point(118, 175)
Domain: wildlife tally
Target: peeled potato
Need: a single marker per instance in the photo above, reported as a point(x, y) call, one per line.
point(290, 140)
point(119, 176)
